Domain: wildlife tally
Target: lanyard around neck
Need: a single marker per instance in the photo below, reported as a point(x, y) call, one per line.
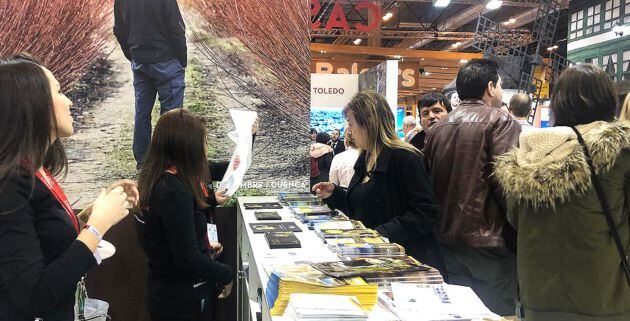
point(51, 184)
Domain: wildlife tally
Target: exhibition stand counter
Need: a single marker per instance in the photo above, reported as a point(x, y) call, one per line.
point(256, 259)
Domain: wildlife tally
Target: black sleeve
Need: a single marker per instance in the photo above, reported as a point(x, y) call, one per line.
point(177, 30)
point(176, 209)
point(326, 162)
point(217, 169)
point(421, 213)
point(32, 286)
point(337, 201)
point(120, 30)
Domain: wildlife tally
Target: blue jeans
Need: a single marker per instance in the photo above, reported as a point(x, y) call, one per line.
point(165, 79)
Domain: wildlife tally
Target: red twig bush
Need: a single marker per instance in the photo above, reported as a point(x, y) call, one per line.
point(66, 35)
point(265, 42)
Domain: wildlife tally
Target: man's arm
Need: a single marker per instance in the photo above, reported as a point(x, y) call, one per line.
point(504, 137)
point(177, 31)
point(120, 30)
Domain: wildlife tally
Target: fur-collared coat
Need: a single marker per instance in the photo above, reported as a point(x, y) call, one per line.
point(568, 265)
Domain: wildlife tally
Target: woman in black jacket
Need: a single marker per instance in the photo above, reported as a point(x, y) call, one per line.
point(390, 190)
point(172, 228)
point(44, 251)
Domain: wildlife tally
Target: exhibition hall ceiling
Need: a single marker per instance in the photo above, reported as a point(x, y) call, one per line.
point(347, 33)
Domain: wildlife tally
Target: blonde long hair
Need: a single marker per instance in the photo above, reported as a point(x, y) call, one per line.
point(625, 109)
point(371, 111)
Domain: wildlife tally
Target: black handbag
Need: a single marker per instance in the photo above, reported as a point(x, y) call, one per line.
point(605, 207)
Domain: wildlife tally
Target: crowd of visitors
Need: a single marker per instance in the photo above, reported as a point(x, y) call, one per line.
point(535, 221)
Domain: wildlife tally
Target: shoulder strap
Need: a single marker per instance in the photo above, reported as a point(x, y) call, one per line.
point(605, 207)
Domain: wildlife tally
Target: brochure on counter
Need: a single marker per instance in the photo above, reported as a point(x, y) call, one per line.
point(354, 264)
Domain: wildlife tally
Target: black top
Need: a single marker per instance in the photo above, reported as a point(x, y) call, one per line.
point(418, 140)
point(40, 259)
point(150, 31)
point(173, 236)
point(397, 201)
point(358, 205)
point(338, 146)
point(323, 163)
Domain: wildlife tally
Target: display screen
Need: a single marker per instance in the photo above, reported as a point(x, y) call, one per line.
point(400, 115)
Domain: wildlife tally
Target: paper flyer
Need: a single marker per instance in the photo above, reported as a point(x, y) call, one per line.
point(242, 136)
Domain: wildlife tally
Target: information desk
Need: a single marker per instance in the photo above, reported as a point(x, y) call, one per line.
point(254, 254)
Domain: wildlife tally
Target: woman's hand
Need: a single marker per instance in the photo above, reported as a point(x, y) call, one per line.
point(131, 189)
point(217, 249)
point(236, 163)
point(323, 190)
point(226, 291)
point(221, 198)
point(109, 209)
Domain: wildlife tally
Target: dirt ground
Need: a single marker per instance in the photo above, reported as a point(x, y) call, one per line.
point(99, 152)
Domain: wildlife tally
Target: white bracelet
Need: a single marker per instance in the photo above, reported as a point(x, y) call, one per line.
point(94, 231)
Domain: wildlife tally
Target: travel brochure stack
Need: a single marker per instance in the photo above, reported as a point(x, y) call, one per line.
point(431, 302)
point(304, 278)
point(338, 307)
point(369, 269)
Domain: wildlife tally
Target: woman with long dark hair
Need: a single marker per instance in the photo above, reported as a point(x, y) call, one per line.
point(172, 228)
point(44, 251)
point(568, 188)
point(390, 190)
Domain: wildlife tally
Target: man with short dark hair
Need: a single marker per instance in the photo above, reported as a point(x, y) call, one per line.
point(432, 107)
point(335, 143)
point(520, 106)
point(461, 150)
point(152, 36)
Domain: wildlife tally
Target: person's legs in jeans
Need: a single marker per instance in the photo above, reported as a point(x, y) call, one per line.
point(145, 92)
point(170, 83)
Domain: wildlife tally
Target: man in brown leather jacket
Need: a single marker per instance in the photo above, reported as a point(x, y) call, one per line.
point(460, 152)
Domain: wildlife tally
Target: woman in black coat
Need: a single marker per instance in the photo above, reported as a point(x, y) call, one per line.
point(184, 275)
point(44, 250)
point(390, 190)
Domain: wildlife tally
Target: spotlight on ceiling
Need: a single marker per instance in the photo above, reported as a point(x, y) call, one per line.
point(441, 3)
point(494, 4)
point(357, 41)
point(388, 16)
point(509, 22)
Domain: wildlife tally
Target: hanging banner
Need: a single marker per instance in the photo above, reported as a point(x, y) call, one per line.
point(329, 94)
point(336, 13)
point(408, 73)
point(332, 91)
